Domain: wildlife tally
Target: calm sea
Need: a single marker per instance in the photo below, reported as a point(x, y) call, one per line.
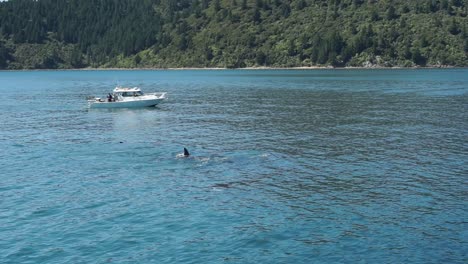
point(287, 166)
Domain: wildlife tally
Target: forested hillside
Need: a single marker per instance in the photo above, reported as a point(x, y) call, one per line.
point(232, 33)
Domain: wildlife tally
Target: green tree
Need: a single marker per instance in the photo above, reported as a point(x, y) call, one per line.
point(391, 13)
point(417, 57)
point(454, 28)
point(260, 58)
point(4, 56)
point(234, 33)
point(256, 16)
point(244, 4)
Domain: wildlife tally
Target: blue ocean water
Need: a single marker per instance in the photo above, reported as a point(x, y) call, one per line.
point(287, 166)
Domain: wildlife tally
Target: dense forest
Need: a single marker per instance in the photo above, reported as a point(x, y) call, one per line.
point(55, 34)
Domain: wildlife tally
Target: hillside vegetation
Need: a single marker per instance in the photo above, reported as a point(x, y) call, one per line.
point(232, 33)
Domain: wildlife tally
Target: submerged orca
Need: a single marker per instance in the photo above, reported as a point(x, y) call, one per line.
point(222, 185)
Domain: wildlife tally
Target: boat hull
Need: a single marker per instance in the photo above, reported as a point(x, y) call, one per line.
point(126, 104)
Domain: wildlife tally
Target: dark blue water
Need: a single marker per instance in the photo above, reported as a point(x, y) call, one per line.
point(323, 166)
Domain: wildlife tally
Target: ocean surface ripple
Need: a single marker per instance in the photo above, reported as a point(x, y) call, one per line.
point(287, 166)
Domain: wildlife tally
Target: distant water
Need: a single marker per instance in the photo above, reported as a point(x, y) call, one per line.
point(323, 166)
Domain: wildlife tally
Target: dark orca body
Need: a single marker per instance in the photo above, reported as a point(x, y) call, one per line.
point(186, 153)
point(222, 185)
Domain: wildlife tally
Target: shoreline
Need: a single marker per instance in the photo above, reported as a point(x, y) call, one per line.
point(246, 68)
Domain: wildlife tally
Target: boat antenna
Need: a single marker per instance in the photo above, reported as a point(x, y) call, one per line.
point(117, 81)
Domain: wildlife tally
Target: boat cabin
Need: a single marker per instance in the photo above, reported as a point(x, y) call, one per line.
point(128, 92)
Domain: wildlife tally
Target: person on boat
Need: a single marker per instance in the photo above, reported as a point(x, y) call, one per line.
point(109, 98)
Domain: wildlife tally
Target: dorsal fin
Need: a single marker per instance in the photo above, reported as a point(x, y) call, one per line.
point(186, 153)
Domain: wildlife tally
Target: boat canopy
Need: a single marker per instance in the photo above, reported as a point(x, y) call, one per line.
point(125, 89)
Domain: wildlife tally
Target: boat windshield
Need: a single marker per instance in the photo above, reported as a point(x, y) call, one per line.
point(132, 94)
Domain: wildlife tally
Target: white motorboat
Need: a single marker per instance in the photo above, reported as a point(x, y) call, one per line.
point(123, 97)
